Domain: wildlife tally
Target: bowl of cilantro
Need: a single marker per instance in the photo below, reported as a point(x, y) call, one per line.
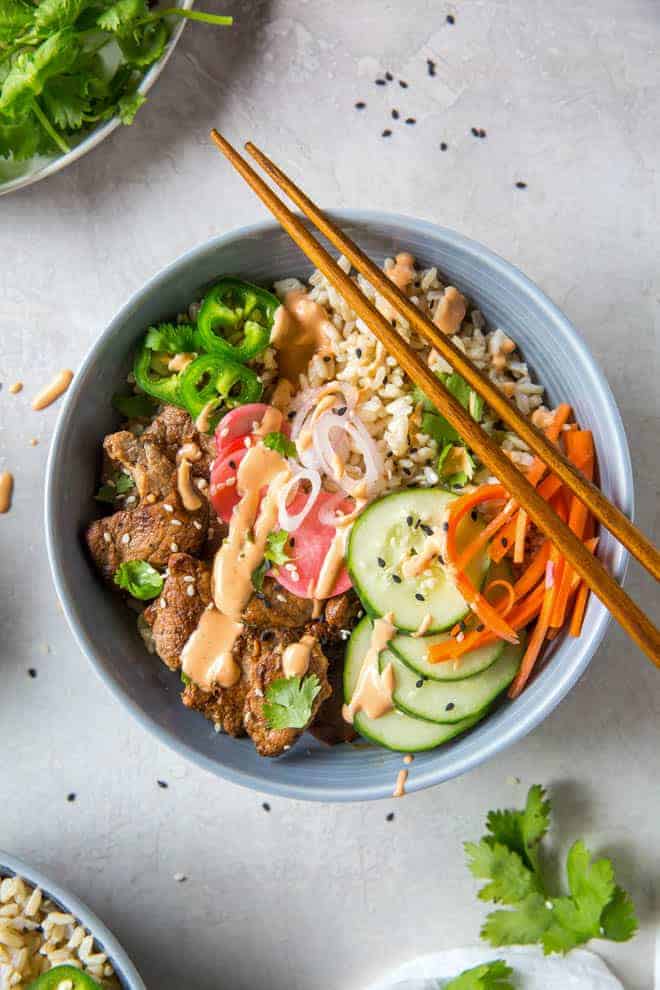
point(72, 71)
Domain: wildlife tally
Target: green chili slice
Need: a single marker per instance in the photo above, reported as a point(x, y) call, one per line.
point(60, 974)
point(211, 378)
point(236, 319)
point(153, 376)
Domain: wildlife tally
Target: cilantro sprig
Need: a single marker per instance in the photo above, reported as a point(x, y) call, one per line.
point(507, 858)
point(119, 484)
point(275, 553)
point(290, 700)
point(487, 976)
point(54, 82)
point(281, 443)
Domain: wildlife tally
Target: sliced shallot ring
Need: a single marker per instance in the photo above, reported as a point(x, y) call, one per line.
point(362, 442)
point(288, 522)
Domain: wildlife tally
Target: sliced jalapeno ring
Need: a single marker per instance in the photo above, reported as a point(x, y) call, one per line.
point(152, 375)
point(211, 378)
point(61, 975)
point(236, 319)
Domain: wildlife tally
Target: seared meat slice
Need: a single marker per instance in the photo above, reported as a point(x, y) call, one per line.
point(266, 667)
point(224, 707)
point(150, 458)
point(174, 616)
point(277, 608)
point(148, 532)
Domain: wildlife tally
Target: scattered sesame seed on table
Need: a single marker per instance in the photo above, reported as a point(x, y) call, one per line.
point(71, 797)
point(266, 806)
point(381, 82)
point(521, 185)
point(443, 146)
point(389, 817)
point(411, 120)
point(395, 115)
point(403, 84)
point(386, 133)
point(360, 105)
point(451, 19)
point(430, 66)
point(163, 784)
point(32, 672)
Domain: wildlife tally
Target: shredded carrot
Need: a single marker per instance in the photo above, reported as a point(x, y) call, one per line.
point(486, 534)
point(510, 595)
point(457, 511)
point(521, 533)
point(534, 572)
point(540, 629)
point(580, 607)
point(579, 447)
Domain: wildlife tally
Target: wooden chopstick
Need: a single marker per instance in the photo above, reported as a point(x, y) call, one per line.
point(631, 618)
point(608, 514)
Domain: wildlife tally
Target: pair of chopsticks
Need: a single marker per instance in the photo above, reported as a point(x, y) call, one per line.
point(638, 626)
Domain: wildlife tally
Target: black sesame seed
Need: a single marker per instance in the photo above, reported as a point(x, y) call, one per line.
point(327, 358)
point(480, 628)
point(358, 352)
point(521, 185)
point(390, 817)
point(504, 541)
point(341, 410)
point(411, 120)
point(441, 559)
point(232, 464)
point(360, 105)
point(292, 541)
point(413, 450)
point(451, 19)
point(430, 65)
point(475, 131)
point(407, 471)
point(395, 115)
point(409, 520)
point(266, 806)
point(443, 146)
point(380, 82)
point(426, 529)
point(32, 672)
point(474, 515)
point(450, 706)
point(291, 415)
point(163, 784)
point(389, 76)
point(386, 133)
point(403, 84)
point(418, 524)
point(396, 579)
point(420, 598)
point(381, 562)
point(445, 526)
point(71, 797)
point(419, 683)
point(482, 133)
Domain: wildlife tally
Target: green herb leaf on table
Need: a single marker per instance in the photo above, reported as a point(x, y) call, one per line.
point(290, 700)
point(493, 975)
point(508, 858)
point(281, 443)
point(140, 579)
point(134, 406)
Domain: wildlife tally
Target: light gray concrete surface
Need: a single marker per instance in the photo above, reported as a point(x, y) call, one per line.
point(308, 895)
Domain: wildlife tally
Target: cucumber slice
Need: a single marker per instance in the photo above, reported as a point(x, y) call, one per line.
point(413, 653)
point(382, 533)
point(451, 701)
point(395, 730)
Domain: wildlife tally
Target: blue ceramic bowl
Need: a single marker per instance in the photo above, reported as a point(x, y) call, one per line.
point(105, 628)
point(128, 976)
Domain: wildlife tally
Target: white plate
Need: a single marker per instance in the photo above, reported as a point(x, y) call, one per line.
point(17, 175)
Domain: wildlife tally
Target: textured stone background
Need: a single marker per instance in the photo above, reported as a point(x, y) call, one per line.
point(308, 895)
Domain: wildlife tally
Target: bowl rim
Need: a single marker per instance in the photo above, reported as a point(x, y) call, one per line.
point(585, 647)
point(118, 956)
point(99, 134)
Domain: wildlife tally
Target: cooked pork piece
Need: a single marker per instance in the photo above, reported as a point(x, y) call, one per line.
point(238, 709)
point(148, 532)
point(174, 616)
point(277, 608)
point(150, 458)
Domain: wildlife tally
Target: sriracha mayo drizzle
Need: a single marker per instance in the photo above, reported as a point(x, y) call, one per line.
point(296, 657)
point(207, 657)
point(251, 523)
point(301, 329)
point(373, 691)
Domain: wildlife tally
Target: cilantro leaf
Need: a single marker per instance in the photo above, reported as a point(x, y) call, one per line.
point(289, 701)
point(139, 578)
point(439, 429)
point(53, 15)
point(276, 547)
point(508, 858)
point(173, 338)
point(21, 140)
point(128, 105)
point(488, 976)
point(120, 15)
point(280, 443)
point(143, 45)
point(510, 880)
point(134, 406)
point(65, 102)
point(258, 575)
point(31, 70)
point(118, 484)
point(15, 18)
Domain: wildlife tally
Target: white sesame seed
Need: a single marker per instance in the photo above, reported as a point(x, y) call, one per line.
point(126, 538)
point(190, 590)
point(289, 567)
point(224, 432)
point(188, 579)
point(168, 507)
point(280, 598)
point(163, 603)
point(248, 441)
point(174, 547)
point(107, 537)
point(196, 524)
point(230, 481)
point(176, 522)
point(131, 500)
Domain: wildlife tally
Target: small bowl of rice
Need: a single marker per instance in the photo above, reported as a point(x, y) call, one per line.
point(43, 927)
